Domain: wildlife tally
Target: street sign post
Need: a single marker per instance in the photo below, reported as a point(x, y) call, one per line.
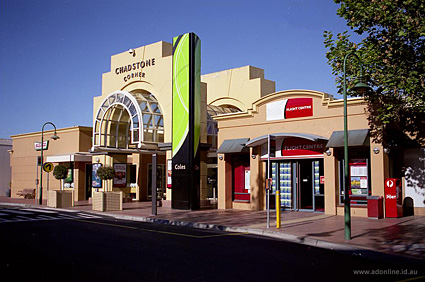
point(48, 167)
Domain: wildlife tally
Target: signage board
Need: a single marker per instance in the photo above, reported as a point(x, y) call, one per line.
point(294, 146)
point(120, 177)
point(96, 181)
point(37, 145)
point(289, 108)
point(186, 122)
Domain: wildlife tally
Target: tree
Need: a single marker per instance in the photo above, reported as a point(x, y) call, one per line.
point(60, 172)
point(393, 54)
point(105, 173)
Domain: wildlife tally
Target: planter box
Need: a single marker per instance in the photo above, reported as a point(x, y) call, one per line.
point(107, 201)
point(60, 199)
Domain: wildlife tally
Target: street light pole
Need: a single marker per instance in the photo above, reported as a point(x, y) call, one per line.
point(54, 137)
point(360, 88)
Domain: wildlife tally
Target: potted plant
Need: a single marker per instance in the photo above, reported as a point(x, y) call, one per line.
point(107, 200)
point(59, 198)
point(106, 173)
point(60, 172)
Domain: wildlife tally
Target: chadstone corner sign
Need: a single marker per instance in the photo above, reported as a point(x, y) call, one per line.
point(134, 70)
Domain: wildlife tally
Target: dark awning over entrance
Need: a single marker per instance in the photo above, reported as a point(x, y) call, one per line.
point(263, 139)
point(233, 146)
point(356, 138)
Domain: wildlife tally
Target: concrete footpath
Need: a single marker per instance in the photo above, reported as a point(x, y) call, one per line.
point(404, 237)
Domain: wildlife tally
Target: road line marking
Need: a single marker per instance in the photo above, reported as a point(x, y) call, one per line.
point(17, 212)
point(40, 210)
point(88, 216)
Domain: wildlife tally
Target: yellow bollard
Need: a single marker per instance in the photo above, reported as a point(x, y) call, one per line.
point(277, 209)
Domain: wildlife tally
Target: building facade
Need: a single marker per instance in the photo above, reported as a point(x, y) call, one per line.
point(245, 131)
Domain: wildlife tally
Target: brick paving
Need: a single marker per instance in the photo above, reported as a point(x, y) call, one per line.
point(401, 236)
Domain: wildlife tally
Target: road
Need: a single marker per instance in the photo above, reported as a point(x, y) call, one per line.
point(53, 245)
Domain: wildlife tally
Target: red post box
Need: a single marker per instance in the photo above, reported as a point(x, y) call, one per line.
point(393, 198)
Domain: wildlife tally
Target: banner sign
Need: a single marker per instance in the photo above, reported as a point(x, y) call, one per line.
point(301, 147)
point(96, 181)
point(186, 121)
point(289, 108)
point(120, 177)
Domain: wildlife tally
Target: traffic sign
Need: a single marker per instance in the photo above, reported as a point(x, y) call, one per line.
point(48, 167)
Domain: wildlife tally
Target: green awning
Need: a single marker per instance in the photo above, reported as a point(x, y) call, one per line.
point(233, 146)
point(356, 138)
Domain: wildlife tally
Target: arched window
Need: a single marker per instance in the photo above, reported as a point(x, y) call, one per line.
point(128, 120)
point(212, 124)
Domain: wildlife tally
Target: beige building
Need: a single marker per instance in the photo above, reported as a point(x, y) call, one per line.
point(71, 150)
point(240, 110)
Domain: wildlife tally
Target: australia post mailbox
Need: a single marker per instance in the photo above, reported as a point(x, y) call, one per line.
point(393, 198)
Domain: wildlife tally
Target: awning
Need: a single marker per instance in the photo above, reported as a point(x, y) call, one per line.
point(233, 146)
point(74, 157)
point(263, 139)
point(356, 138)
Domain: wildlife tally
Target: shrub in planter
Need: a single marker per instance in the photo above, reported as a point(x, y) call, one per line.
point(60, 172)
point(105, 173)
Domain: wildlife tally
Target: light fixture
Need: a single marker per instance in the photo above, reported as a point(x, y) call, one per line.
point(387, 150)
point(97, 159)
point(132, 52)
point(253, 156)
point(220, 157)
point(360, 88)
point(54, 137)
point(376, 150)
point(328, 152)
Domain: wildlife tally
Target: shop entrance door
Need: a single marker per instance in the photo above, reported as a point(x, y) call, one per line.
point(309, 185)
point(89, 168)
point(305, 185)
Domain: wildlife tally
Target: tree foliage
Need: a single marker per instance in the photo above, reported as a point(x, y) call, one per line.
point(393, 54)
point(60, 171)
point(105, 172)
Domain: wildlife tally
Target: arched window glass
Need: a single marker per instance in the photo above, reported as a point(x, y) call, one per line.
point(126, 120)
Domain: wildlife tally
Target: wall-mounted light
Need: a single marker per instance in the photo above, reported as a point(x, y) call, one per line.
point(132, 52)
point(253, 156)
point(387, 150)
point(328, 152)
point(220, 157)
point(97, 159)
point(376, 150)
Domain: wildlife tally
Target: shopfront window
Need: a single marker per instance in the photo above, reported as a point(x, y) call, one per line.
point(359, 178)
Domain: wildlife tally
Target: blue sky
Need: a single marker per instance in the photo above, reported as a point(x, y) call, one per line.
point(53, 52)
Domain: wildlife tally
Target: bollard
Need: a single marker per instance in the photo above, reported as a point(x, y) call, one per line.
point(277, 209)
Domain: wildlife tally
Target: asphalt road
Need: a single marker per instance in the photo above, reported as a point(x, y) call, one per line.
point(51, 245)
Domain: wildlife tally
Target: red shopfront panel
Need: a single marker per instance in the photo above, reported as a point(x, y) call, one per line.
point(241, 179)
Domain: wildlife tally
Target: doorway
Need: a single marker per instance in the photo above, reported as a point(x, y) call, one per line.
point(89, 168)
point(305, 185)
point(300, 183)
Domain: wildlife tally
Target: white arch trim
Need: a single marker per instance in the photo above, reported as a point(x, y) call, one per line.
point(118, 98)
